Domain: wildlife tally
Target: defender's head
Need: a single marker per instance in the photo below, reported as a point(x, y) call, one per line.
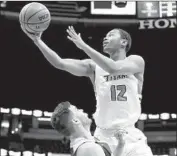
point(116, 40)
point(67, 119)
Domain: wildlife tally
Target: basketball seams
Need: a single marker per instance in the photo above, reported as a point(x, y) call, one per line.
point(35, 23)
point(26, 11)
point(31, 26)
point(21, 15)
point(35, 14)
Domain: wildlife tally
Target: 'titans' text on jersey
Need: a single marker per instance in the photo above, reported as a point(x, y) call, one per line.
point(117, 99)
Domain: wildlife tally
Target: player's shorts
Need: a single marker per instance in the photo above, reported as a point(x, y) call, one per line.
point(136, 142)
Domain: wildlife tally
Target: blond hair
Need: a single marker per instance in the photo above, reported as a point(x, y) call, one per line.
point(79, 114)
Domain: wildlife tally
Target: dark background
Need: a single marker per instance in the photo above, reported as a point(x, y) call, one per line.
point(29, 81)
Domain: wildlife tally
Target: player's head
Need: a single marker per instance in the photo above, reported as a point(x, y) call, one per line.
point(116, 40)
point(67, 119)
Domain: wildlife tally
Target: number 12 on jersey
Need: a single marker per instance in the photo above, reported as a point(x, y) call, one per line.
point(118, 96)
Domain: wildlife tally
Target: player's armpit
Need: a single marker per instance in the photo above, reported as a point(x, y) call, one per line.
point(77, 67)
point(131, 65)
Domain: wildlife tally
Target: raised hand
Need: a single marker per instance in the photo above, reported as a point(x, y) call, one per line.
point(74, 37)
point(120, 136)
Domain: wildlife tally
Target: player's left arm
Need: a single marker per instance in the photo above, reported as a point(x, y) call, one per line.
point(133, 64)
point(119, 150)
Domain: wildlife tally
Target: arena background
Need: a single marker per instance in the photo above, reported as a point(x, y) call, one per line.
point(31, 87)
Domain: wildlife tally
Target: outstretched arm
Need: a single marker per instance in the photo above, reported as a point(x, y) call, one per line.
point(75, 67)
point(134, 63)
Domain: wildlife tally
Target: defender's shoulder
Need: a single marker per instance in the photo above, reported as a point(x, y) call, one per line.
point(90, 148)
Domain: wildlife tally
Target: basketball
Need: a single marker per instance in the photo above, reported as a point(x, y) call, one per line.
point(35, 17)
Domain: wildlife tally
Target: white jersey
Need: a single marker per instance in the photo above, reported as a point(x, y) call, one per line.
point(117, 99)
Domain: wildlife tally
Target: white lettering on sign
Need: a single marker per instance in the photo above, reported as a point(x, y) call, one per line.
point(159, 23)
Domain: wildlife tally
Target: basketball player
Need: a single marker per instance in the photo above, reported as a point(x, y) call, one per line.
point(117, 81)
point(118, 85)
point(74, 123)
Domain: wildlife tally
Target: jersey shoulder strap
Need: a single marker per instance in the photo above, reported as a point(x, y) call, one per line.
point(104, 146)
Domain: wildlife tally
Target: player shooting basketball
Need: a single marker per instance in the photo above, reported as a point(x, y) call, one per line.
point(117, 81)
point(118, 86)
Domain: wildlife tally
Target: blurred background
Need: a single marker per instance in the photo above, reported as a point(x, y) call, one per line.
point(31, 87)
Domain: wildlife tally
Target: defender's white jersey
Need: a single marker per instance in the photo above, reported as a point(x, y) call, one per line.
point(117, 99)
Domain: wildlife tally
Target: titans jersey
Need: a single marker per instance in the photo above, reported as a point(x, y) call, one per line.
point(117, 99)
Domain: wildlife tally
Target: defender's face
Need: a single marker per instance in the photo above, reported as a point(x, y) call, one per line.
point(112, 41)
point(71, 120)
point(65, 120)
point(80, 119)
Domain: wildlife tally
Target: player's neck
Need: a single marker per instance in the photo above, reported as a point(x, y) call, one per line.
point(80, 133)
point(118, 55)
point(74, 138)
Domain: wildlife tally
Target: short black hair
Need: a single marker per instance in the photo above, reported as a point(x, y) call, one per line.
point(125, 35)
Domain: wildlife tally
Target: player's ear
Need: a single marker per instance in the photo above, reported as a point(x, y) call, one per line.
point(124, 42)
point(76, 121)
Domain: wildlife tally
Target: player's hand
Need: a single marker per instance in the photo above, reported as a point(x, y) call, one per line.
point(120, 136)
point(32, 36)
point(74, 37)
